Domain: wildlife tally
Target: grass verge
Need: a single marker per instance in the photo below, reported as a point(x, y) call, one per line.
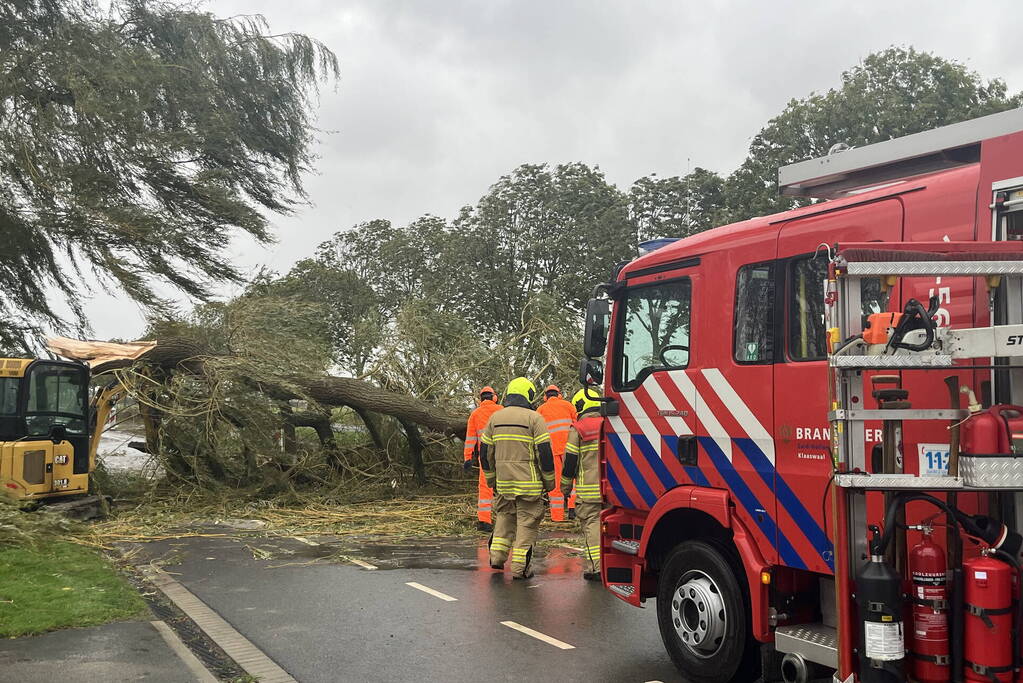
point(60, 585)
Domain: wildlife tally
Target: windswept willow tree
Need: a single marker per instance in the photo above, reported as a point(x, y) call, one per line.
point(135, 139)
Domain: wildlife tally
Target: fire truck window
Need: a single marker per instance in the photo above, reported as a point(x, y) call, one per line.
point(654, 332)
point(754, 314)
point(806, 306)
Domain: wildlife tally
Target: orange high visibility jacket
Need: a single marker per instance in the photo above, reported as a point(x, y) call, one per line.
point(559, 415)
point(477, 421)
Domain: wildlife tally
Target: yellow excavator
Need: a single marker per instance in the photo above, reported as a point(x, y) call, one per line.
point(49, 432)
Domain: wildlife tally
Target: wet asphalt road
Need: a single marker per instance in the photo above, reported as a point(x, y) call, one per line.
point(323, 618)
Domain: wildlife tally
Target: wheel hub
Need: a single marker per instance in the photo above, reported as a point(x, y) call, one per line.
point(698, 613)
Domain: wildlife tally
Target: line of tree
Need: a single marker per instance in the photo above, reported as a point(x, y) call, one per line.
point(137, 137)
point(400, 299)
point(439, 307)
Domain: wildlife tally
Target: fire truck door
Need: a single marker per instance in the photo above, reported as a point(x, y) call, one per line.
point(801, 448)
point(652, 439)
point(736, 392)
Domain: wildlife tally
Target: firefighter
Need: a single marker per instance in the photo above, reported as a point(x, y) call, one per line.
point(582, 465)
point(516, 457)
point(477, 421)
point(559, 415)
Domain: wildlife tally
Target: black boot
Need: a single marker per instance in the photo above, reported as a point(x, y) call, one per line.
point(486, 527)
point(591, 576)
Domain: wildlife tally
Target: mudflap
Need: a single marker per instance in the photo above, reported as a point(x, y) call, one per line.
point(624, 572)
point(81, 508)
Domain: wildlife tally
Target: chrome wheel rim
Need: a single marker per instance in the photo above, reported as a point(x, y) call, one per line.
point(698, 614)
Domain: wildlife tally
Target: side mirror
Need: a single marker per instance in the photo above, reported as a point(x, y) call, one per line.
point(598, 311)
point(591, 372)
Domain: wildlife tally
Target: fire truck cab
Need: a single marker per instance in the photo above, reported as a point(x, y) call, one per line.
point(717, 462)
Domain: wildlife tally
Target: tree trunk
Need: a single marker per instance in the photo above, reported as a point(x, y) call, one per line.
point(175, 354)
point(327, 390)
point(152, 421)
point(374, 432)
point(415, 450)
point(359, 394)
point(319, 422)
point(288, 429)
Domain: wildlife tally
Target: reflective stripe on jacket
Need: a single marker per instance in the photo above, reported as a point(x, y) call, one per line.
point(513, 463)
point(477, 421)
point(582, 459)
point(559, 415)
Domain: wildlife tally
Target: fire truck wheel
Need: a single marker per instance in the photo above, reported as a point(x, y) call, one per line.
point(702, 613)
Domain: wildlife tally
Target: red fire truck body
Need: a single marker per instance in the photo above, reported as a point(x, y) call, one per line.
point(716, 429)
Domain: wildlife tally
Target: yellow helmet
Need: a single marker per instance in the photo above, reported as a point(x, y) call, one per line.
point(523, 387)
point(583, 402)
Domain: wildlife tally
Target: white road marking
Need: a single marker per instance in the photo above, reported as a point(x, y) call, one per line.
point(364, 565)
point(305, 540)
point(539, 636)
point(427, 589)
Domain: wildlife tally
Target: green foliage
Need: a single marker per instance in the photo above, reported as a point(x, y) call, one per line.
point(135, 140)
point(60, 585)
point(219, 426)
point(677, 206)
point(435, 355)
point(556, 231)
point(437, 309)
point(895, 92)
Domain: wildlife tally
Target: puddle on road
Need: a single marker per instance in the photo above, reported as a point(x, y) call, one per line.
point(433, 553)
point(468, 553)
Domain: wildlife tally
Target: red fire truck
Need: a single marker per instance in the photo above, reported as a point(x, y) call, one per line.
point(720, 443)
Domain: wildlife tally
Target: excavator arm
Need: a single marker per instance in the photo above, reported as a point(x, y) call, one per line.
point(102, 404)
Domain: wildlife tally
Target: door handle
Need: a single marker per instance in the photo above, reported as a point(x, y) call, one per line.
point(687, 451)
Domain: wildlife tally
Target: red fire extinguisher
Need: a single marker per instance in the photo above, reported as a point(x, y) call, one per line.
point(929, 635)
point(988, 647)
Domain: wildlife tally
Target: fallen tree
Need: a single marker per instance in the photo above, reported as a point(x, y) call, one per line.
point(181, 355)
point(228, 418)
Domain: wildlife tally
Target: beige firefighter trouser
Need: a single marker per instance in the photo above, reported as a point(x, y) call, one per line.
point(588, 515)
point(516, 523)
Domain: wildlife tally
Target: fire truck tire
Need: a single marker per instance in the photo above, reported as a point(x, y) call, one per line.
point(702, 612)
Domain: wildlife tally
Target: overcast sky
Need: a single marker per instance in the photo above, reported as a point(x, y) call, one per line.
point(437, 99)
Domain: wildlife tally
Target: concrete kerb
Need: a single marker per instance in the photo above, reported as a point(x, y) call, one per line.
point(201, 673)
point(250, 658)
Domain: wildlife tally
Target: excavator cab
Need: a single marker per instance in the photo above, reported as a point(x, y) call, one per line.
point(45, 449)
